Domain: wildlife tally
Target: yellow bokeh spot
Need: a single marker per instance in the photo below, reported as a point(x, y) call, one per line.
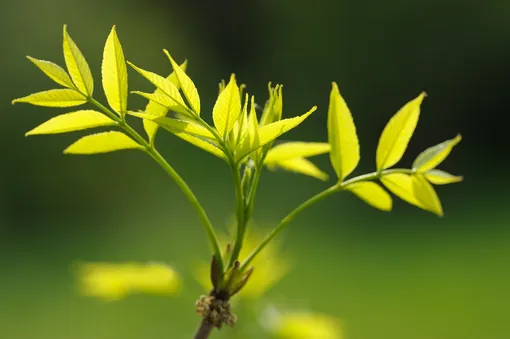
point(305, 325)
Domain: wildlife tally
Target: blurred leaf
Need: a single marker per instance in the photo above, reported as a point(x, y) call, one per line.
point(426, 195)
point(77, 66)
point(176, 125)
point(154, 108)
point(303, 325)
point(114, 71)
point(54, 72)
point(74, 121)
point(438, 177)
point(298, 165)
point(186, 84)
point(342, 136)
point(433, 156)
point(372, 194)
point(397, 133)
point(227, 108)
point(102, 143)
point(294, 149)
point(401, 185)
point(54, 98)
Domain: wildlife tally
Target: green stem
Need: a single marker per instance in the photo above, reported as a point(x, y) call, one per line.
point(241, 220)
point(213, 239)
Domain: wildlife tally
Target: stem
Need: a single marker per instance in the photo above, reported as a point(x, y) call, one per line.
point(241, 220)
point(213, 239)
point(204, 330)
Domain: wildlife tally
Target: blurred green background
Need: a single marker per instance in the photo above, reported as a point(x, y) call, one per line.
point(407, 274)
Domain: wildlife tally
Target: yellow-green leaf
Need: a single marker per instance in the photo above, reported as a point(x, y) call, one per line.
point(201, 143)
point(102, 143)
point(397, 133)
point(298, 165)
point(174, 125)
point(433, 156)
point(227, 108)
point(251, 139)
point(342, 136)
point(166, 86)
point(426, 195)
point(54, 98)
point(295, 149)
point(77, 66)
point(163, 100)
point(438, 177)
point(54, 72)
point(114, 72)
point(372, 194)
point(186, 84)
point(154, 108)
point(70, 122)
point(401, 185)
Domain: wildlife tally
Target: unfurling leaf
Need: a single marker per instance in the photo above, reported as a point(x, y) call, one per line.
point(397, 133)
point(186, 84)
point(342, 136)
point(102, 143)
point(176, 125)
point(438, 177)
point(166, 86)
point(251, 140)
point(54, 98)
point(75, 121)
point(433, 156)
point(114, 72)
point(401, 185)
point(295, 149)
point(227, 108)
point(298, 165)
point(77, 66)
point(426, 195)
point(54, 72)
point(372, 194)
point(154, 108)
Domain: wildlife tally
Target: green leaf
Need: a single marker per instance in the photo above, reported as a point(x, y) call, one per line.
point(401, 185)
point(102, 143)
point(397, 133)
point(251, 140)
point(163, 100)
point(114, 71)
point(77, 66)
point(70, 122)
point(176, 125)
point(372, 194)
point(187, 85)
point(54, 72)
point(298, 165)
point(167, 88)
point(54, 98)
point(433, 156)
point(227, 108)
point(154, 108)
point(200, 143)
point(240, 127)
point(426, 195)
point(296, 149)
point(342, 136)
point(438, 177)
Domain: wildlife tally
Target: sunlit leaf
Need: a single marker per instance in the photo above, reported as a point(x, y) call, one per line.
point(372, 194)
point(114, 72)
point(298, 165)
point(438, 177)
point(176, 125)
point(54, 72)
point(166, 86)
point(397, 133)
point(163, 100)
point(227, 108)
point(433, 156)
point(186, 84)
point(342, 136)
point(401, 185)
point(241, 126)
point(102, 143)
point(54, 98)
point(74, 121)
point(201, 143)
point(294, 149)
point(251, 140)
point(426, 195)
point(77, 66)
point(154, 108)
